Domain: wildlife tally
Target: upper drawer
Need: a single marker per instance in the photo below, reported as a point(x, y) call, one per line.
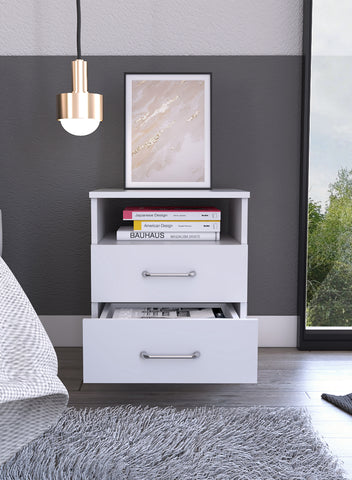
point(219, 273)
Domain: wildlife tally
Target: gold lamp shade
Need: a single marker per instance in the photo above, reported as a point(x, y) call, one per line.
point(80, 112)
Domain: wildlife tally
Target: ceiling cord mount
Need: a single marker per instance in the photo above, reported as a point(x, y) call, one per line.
point(78, 8)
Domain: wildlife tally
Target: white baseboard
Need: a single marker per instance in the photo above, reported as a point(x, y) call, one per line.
point(63, 330)
point(274, 331)
point(277, 331)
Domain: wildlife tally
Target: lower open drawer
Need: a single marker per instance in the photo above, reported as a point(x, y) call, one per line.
point(170, 350)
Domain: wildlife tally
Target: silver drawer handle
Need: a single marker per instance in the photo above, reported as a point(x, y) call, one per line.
point(187, 274)
point(148, 356)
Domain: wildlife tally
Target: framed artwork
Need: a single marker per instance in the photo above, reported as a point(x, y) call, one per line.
point(168, 128)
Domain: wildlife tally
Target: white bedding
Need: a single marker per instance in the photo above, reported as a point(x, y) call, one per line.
point(31, 395)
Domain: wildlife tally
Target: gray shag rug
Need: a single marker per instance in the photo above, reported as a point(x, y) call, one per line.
point(152, 443)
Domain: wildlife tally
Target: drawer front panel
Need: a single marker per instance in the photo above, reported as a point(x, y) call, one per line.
point(217, 273)
point(227, 351)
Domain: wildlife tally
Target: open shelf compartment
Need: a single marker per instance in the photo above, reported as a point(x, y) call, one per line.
point(107, 207)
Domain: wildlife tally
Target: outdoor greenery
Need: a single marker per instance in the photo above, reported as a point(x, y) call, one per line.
point(329, 276)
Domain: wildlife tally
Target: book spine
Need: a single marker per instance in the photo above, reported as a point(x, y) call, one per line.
point(176, 226)
point(172, 215)
point(151, 236)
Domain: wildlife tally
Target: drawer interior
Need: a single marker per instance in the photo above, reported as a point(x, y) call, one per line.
point(167, 311)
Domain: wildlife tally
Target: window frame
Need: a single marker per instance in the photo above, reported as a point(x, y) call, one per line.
point(310, 339)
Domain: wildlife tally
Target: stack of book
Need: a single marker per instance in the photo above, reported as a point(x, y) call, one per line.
point(170, 223)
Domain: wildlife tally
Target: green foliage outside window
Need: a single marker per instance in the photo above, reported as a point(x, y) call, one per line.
point(329, 266)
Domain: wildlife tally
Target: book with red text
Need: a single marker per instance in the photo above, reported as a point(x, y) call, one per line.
point(171, 213)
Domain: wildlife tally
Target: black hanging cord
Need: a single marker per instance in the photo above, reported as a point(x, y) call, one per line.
point(78, 4)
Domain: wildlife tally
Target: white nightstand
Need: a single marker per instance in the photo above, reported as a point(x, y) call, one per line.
point(220, 350)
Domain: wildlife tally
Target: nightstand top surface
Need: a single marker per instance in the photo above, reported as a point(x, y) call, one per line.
point(179, 193)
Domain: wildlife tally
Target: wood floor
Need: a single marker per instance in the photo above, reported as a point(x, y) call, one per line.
point(286, 377)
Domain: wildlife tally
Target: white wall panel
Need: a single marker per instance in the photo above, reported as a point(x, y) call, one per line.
point(277, 331)
point(152, 27)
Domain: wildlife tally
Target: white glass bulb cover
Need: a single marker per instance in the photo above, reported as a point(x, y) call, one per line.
point(80, 126)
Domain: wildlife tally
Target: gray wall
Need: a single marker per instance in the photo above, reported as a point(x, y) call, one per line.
point(46, 174)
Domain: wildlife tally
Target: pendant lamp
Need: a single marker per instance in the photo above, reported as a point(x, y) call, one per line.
point(79, 112)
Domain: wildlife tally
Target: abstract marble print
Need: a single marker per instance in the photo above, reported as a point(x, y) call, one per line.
point(169, 131)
